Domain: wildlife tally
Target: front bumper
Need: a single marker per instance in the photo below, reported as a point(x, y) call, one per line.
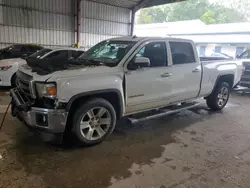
point(244, 84)
point(48, 120)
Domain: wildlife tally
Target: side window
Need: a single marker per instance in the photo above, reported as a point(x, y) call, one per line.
point(239, 50)
point(34, 49)
point(182, 53)
point(58, 54)
point(16, 48)
point(25, 49)
point(246, 54)
point(202, 51)
point(217, 49)
point(156, 52)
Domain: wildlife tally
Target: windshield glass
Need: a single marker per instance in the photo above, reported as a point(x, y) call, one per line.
point(108, 51)
point(40, 53)
point(245, 55)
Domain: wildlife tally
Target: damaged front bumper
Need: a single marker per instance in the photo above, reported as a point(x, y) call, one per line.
point(48, 120)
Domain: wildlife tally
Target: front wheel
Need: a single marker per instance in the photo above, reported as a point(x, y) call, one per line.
point(219, 98)
point(94, 121)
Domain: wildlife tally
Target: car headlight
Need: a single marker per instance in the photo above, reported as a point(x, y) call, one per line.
point(5, 68)
point(46, 90)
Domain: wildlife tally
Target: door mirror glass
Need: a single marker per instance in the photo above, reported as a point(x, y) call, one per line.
point(142, 62)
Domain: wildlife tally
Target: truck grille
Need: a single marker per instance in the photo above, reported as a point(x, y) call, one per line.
point(24, 81)
point(247, 68)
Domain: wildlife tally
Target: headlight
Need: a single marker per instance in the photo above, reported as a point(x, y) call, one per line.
point(46, 89)
point(5, 68)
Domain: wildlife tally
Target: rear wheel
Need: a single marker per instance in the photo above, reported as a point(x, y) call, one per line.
point(94, 121)
point(219, 98)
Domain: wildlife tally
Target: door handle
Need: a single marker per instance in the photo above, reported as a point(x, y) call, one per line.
point(165, 75)
point(196, 70)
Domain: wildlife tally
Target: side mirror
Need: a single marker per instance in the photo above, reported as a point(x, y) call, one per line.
point(142, 62)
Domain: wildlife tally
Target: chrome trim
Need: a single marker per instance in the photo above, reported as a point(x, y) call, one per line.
point(32, 89)
point(57, 119)
point(13, 94)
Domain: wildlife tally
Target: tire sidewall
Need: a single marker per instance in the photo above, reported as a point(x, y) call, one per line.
point(218, 89)
point(83, 110)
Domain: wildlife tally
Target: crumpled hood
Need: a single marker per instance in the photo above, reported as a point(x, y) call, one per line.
point(72, 72)
point(9, 62)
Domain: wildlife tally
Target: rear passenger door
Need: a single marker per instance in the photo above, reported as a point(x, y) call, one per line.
point(185, 70)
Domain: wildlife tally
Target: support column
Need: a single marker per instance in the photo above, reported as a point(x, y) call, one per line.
point(78, 23)
point(132, 22)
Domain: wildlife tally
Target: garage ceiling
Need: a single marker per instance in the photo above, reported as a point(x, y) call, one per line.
point(137, 4)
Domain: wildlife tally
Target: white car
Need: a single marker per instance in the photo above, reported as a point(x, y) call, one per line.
point(9, 67)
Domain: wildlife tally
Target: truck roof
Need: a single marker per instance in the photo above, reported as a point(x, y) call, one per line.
point(136, 39)
point(66, 48)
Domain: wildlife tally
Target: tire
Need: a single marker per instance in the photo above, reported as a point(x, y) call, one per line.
point(14, 81)
point(219, 98)
point(88, 118)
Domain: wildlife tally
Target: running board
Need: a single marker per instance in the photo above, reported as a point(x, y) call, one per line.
point(163, 112)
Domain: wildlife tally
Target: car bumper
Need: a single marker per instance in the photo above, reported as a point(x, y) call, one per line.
point(5, 78)
point(47, 120)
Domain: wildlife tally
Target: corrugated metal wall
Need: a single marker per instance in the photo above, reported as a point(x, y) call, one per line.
point(100, 21)
point(52, 22)
point(46, 22)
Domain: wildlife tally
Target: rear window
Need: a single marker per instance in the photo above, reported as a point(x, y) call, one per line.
point(182, 52)
point(40, 53)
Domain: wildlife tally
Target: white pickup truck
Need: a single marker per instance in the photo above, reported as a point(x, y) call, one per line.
point(117, 78)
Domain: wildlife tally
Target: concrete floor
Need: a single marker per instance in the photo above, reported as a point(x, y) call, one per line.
point(196, 148)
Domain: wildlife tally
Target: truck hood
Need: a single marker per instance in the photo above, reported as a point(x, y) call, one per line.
point(9, 62)
point(77, 71)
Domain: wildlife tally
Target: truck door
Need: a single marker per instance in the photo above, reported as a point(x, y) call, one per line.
point(147, 87)
point(185, 71)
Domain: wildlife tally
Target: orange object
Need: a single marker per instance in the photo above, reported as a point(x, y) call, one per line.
point(51, 90)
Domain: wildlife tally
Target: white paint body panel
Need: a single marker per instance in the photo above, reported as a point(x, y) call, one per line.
point(6, 76)
point(143, 89)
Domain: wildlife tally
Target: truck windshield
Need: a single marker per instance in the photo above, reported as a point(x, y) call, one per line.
point(40, 53)
point(108, 52)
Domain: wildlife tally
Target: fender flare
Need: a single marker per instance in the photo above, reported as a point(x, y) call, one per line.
point(84, 94)
point(217, 80)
